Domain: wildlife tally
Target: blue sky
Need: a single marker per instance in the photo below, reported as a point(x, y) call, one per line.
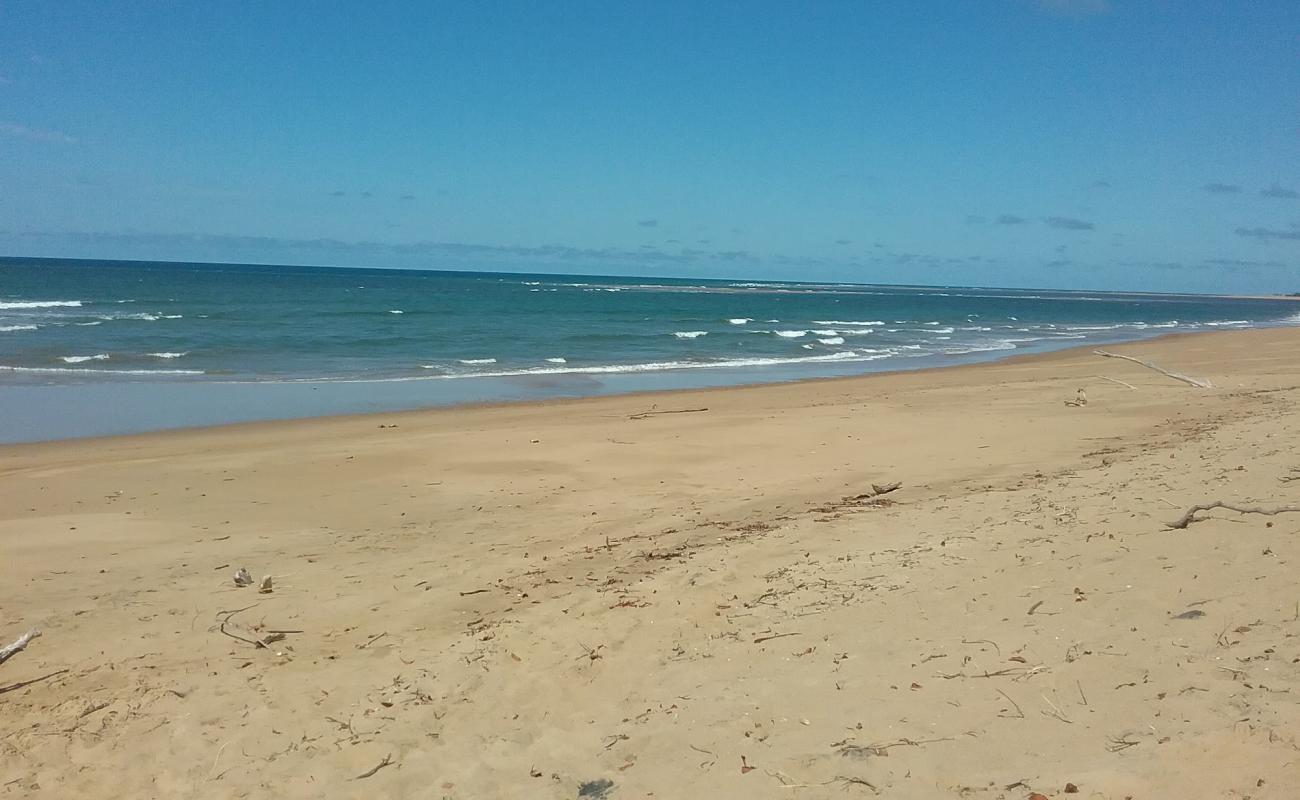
point(1069, 143)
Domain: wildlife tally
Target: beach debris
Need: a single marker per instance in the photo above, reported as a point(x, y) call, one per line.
point(372, 640)
point(1199, 383)
point(16, 686)
point(653, 412)
point(1193, 614)
point(388, 760)
point(597, 789)
point(1190, 516)
point(878, 489)
point(1070, 788)
point(1117, 381)
point(1019, 713)
point(591, 654)
point(17, 645)
point(745, 766)
point(265, 587)
point(762, 639)
point(263, 642)
point(1080, 399)
point(242, 578)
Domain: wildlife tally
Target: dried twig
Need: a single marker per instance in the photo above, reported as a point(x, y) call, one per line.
point(17, 646)
point(1121, 383)
point(1118, 743)
point(1020, 714)
point(15, 686)
point(226, 619)
point(1190, 517)
point(388, 759)
point(774, 636)
point(983, 641)
point(1056, 711)
point(646, 414)
point(372, 640)
point(1199, 383)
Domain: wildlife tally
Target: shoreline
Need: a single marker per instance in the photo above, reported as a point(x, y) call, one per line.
point(403, 408)
point(527, 599)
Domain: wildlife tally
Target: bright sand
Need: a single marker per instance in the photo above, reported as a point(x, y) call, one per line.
point(534, 600)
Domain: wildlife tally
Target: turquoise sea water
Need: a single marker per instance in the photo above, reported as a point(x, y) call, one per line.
point(104, 326)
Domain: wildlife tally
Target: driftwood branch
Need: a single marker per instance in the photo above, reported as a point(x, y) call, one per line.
point(647, 414)
point(1190, 517)
point(1199, 383)
point(17, 646)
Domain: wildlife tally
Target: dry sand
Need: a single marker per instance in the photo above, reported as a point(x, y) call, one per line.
point(558, 601)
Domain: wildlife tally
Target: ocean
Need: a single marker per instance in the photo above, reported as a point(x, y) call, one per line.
point(89, 341)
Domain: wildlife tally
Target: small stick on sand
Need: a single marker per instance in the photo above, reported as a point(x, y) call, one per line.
point(1019, 713)
point(372, 640)
point(1190, 516)
point(388, 759)
point(17, 646)
point(1199, 383)
point(1121, 383)
point(15, 686)
point(774, 636)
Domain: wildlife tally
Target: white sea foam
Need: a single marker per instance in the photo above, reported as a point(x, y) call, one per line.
point(395, 311)
point(473, 361)
point(69, 370)
point(826, 332)
point(79, 359)
point(17, 304)
point(1229, 322)
point(557, 360)
point(168, 355)
point(847, 322)
point(690, 334)
point(832, 340)
point(141, 316)
point(941, 330)
point(790, 334)
point(8, 328)
point(660, 366)
point(740, 320)
point(173, 316)
point(88, 324)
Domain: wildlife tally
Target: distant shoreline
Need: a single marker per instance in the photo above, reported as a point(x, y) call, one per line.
point(156, 408)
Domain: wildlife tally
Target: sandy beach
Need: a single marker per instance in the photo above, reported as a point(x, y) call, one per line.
point(582, 599)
